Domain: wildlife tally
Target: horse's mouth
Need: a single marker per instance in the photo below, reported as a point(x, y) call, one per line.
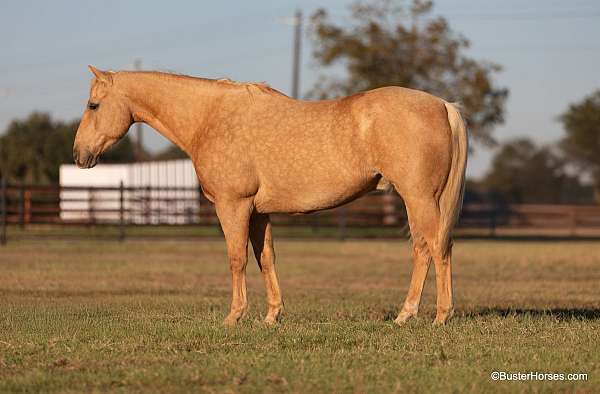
point(90, 162)
point(86, 160)
point(93, 163)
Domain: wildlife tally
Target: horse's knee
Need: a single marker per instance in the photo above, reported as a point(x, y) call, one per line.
point(237, 263)
point(440, 253)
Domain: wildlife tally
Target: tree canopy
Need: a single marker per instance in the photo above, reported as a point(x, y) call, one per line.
point(522, 172)
point(581, 122)
point(393, 43)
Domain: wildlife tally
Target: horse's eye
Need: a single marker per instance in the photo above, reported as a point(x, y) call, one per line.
point(93, 106)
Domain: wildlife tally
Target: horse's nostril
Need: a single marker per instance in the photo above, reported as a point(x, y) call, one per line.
point(83, 158)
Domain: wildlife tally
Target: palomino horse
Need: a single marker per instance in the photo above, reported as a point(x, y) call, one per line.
point(257, 151)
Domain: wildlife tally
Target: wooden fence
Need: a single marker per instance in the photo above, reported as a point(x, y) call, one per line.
point(383, 214)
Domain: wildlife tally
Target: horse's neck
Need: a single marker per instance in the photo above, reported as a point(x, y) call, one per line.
point(175, 107)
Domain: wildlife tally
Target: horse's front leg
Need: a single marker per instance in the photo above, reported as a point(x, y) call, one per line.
point(262, 244)
point(234, 216)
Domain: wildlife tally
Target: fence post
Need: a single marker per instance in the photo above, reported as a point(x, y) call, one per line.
point(22, 206)
point(3, 192)
point(342, 219)
point(493, 217)
point(573, 221)
point(315, 224)
point(91, 218)
point(148, 205)
point(121, 212)
point(28, 210)
point(389, 209)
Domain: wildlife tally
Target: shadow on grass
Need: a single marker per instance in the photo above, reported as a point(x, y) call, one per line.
point(557, 313)
point(530, 238)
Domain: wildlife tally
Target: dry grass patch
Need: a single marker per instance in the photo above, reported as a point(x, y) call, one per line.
point(139, 316)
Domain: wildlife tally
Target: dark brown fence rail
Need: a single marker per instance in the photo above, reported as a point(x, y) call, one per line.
point(23, 207)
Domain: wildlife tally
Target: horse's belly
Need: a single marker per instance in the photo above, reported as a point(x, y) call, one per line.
point(311, 197)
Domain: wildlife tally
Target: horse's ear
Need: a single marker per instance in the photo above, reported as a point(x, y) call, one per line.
point(101, 75)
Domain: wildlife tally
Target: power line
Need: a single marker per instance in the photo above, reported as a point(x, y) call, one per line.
point(523, 16)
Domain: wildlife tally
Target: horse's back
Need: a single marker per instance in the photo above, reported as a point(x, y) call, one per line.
point(325, 153)
point(403, 134)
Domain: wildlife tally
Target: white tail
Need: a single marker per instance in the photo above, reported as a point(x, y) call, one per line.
point(452, 196)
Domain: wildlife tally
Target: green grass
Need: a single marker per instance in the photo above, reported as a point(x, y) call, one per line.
point(146, 316)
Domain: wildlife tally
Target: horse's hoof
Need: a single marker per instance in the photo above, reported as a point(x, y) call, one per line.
point(403, 317)
point(441, 319)
point(230, 321)
point(273, 317)
point(233, 318)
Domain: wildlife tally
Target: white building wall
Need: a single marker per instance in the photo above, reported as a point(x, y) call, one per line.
point(141, 205)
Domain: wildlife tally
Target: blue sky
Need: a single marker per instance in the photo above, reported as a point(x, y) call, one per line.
point(550, 51)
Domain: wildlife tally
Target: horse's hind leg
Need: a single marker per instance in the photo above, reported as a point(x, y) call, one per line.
point(443, 279)
point(262, 244)
point(424, 218)
point(421, 262)
point(419, 221)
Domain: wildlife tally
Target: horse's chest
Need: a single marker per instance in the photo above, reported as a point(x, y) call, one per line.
point(228, 179)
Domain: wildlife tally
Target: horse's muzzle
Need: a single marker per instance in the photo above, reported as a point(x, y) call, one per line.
point(84, 159)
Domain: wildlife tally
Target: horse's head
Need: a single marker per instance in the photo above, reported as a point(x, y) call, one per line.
point(105, 120)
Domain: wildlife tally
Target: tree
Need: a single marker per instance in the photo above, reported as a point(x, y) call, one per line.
point(521, 172)
point(390, 43)
point(32, 150)
point(582, 141)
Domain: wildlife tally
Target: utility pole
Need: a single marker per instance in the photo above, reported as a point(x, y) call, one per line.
point(139, 154)
point(297, 52)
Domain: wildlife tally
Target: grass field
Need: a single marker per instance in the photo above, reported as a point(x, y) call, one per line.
point(146, 316)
